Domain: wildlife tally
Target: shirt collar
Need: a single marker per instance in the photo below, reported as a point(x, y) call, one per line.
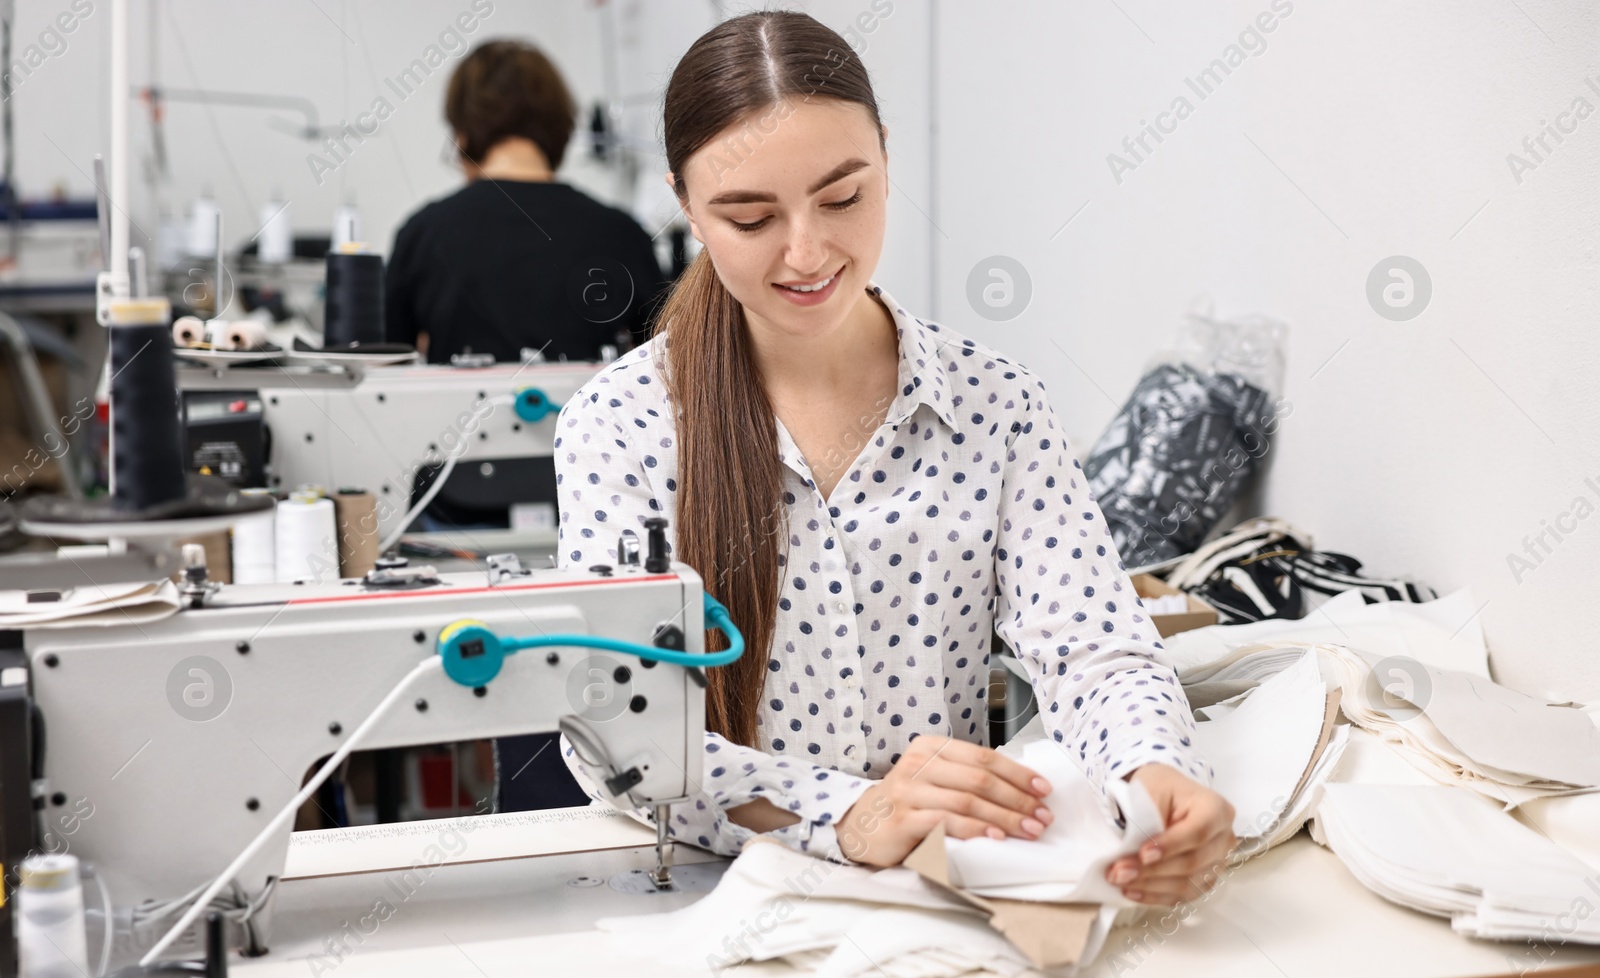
point(922, 379)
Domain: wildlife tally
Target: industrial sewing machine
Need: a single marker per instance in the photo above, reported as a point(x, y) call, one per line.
point(485, 435)
point(171, 749)
point(179, 746)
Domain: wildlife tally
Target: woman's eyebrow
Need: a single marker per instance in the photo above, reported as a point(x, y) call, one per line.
point(837, 173)
point(762, 197)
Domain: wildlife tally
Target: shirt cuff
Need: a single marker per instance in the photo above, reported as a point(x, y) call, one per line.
point(820, 806)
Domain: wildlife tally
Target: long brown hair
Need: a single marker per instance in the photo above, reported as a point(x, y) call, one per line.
point(731, 515)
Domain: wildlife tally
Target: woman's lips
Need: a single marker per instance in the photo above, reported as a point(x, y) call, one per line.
point(812, 298)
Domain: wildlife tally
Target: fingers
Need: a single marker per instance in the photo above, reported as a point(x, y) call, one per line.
point(1185, 865)
point(973, 782)
point(967, 805)
point(1182, 891)
point(1174, 878)
point(1168, 890)
point(972, 755)
point(955, 826)
point(984, 784)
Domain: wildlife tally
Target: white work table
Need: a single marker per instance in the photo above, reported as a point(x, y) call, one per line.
point(517, 900)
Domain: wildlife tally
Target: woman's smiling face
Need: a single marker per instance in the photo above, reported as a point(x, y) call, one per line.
point(790, 204)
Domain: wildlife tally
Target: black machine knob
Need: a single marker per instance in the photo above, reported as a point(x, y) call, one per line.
point(655, 561)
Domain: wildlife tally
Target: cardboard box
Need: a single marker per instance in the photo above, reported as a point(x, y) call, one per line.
point(1199, 614)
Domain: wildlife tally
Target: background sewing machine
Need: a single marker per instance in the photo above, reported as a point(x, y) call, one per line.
point(488, 432)
point(173, 743)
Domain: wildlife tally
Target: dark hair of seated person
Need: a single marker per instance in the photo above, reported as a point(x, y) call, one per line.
point(505, 89)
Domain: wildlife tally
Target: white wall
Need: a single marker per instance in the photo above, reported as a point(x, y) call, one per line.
point(1430, 447)
point(1365, 129)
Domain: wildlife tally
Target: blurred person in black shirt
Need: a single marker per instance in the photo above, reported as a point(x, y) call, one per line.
point(515, 260)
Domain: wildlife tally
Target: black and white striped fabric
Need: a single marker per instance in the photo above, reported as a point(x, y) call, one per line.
point(1264, 567)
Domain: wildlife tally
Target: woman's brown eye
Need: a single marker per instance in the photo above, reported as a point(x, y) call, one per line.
point(845, 204)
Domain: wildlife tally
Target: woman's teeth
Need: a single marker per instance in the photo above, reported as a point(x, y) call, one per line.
point(812, 288)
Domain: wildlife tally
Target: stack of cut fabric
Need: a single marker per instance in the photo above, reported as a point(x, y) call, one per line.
point(1456, 727)
point(1272, 749)
point(1420, 688)
point(1444, 851)
point(1465, 729)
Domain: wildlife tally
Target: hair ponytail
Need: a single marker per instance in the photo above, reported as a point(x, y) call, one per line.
point(730, 483)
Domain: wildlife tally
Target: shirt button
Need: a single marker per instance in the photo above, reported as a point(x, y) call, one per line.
point(850, 748)
point(850, 681)
point(840, 607)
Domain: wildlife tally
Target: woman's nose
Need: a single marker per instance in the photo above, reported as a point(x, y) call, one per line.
point(805, 253)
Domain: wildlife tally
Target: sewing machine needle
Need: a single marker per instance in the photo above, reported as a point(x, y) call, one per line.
point(662, 875)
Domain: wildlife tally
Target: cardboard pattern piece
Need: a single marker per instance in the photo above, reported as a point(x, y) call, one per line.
point(1050, 934)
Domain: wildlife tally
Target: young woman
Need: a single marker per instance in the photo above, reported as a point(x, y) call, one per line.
point(871, 495)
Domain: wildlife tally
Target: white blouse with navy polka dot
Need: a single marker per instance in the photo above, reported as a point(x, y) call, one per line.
point(965, 512)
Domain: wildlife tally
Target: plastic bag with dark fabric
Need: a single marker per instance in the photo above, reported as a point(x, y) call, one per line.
point(1176, 457)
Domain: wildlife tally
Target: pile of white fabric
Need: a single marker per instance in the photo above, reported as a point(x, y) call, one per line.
point(1442, 711)
point(1273, 749)
point(833, 920)
point(841, 921)
point(1428, 733)
point(1443, 633)
point(1444, 851)
point(1465, 729)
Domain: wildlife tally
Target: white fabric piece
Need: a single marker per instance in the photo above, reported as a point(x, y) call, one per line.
point(1304, 805)
point(921, 944)
point(1067, 863)
point(1250, 665)
point(1571, 821)
point(1443, 633)
point(773, 902)
point(1221, 708)
point(1447, 852)
point(122, 604)
point(1368, 759)
point(1473, 730)
point(1263, 746)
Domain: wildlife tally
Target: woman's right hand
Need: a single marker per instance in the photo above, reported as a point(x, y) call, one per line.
point(971, 790)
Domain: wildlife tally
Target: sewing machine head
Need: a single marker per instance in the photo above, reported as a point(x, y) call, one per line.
point(172, 743)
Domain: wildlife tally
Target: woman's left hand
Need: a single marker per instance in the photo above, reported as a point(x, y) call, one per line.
point(1179, 864)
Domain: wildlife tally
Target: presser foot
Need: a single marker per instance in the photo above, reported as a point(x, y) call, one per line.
point(661, 876)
